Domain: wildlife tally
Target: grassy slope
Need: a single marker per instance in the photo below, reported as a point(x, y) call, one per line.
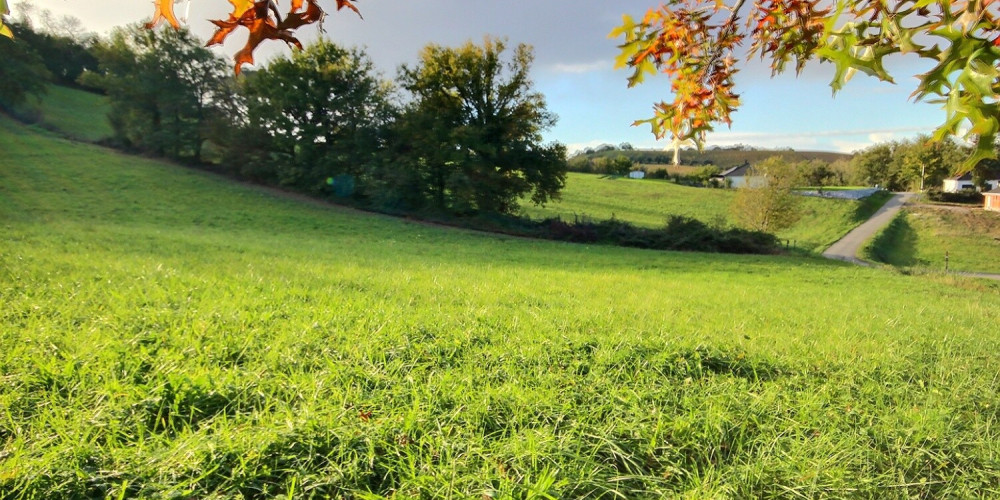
point(649, 202)
point(165, 333)
point(75, 113)
point(922, 236)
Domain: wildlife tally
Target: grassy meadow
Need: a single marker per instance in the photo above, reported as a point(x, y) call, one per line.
point(77, 114)
point(922, 236)
point(649, 202)
point(166, 333)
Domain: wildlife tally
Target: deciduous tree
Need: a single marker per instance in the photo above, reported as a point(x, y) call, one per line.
point(472, 133)
point(697, 43)
point(768, 205)
point(161, 85)
point(22, 72)
point(311, 116)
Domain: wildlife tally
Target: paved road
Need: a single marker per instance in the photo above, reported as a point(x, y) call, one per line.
point(847, 248)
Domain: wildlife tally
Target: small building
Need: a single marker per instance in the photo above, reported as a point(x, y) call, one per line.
point(965, 182)
point(740, 176)
point(991, 200)
point(637, 174)
point(959, 183)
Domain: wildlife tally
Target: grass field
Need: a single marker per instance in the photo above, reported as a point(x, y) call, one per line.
point(922, 237)
point(164, 333)
point(648, 202)
point(75, 113)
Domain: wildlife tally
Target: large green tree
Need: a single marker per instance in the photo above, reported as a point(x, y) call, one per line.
point(925, 164)
point(22, 73)
point(63, 45)
point(315, 115)
point(471, 136)
point(163, 87)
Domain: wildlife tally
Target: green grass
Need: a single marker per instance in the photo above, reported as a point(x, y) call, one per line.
point(649, 202)
point(75, 113)
point(923, 237)
point(164, 333)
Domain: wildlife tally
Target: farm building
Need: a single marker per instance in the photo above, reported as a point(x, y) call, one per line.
point(740, 176)
point(965, 182)
point(958, 183)
point(991, 200)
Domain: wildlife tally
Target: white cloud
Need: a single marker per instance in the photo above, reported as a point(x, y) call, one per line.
point(578, 68)
point(850, 146)
point(877, 137)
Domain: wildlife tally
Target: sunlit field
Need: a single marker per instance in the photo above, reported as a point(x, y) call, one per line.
point(166, 333)
point(924, 237)
point(649, 202)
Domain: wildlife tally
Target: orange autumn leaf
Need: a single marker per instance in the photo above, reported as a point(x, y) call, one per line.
point(262, 20)
point(164, 11)
point(349, 4)
point(260, 17)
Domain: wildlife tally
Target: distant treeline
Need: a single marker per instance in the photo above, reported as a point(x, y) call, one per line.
point(723, 157)
point(910, 164)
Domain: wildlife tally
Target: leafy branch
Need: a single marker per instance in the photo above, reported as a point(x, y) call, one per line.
point(681, 39)
point(261, 19)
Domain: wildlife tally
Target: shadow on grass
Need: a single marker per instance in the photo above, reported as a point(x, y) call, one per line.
point(896, 244)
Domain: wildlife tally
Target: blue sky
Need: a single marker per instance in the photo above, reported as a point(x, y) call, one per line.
point(573, 68)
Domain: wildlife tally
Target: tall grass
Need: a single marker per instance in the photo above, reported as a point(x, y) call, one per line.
point(164, 333)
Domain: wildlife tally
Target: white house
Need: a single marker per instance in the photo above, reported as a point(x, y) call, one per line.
point(964, 182)
point(741, 176)
point(637, 174)
point(958, 183)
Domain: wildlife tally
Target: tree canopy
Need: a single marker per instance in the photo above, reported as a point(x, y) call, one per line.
point(310, 117)
point(473, 129)
point(696, 43)
point(163, 88)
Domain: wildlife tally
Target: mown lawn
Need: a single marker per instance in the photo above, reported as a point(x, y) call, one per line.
point(925, 236)
point(164, 333)
point(649, 202)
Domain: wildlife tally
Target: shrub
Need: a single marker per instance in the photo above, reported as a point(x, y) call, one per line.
point(965, 197)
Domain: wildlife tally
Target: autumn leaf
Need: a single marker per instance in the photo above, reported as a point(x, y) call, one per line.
point(4, 29)
point(296, 19)
point(349, 4)
point(240, 7)
point(164, 11)
point(261, 19)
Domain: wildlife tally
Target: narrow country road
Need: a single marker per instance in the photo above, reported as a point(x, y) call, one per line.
point(846, 249)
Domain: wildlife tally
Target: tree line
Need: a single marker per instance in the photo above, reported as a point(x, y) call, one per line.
point(917, 164)
point(457, 132)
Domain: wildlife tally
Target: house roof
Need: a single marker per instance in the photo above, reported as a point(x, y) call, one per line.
point(963, 177)
point(738, 171)
point(993, 191)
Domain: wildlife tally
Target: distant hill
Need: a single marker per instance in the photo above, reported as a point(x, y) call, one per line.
point(720, 157)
